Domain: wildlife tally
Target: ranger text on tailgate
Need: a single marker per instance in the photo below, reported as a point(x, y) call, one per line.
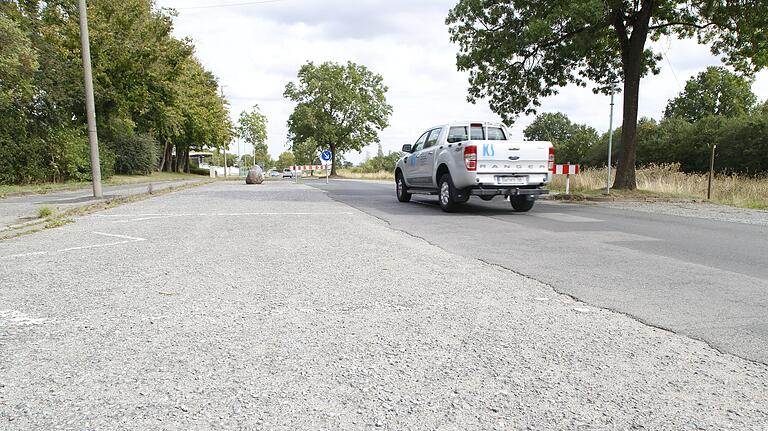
point(456, 161)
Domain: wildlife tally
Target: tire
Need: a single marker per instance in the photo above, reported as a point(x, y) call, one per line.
point(486, 198)
point(521, 204)
point(447, 194)
point(401, 189)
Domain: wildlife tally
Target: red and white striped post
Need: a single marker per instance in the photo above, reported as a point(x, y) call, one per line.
point(567, 170)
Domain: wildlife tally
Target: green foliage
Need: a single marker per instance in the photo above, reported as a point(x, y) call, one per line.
point(44, 212)
point(341, 107)
point(144, 79)
point(572, 141)
point(218, 159)
point(306, 152)
point(742, 144)
point(519, 51)
point(136, 154)
point(715, 91)
point(285, 160)
point(379, 163)
point(252, 128)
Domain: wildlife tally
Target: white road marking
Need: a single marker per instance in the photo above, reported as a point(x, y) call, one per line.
point(566, 218)
point(128, 218)
point(125, 240)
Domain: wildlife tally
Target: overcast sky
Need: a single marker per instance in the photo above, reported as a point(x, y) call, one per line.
point(256, 48)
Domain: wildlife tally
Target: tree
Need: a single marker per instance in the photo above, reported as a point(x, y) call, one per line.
point(305, 152)
point(285, 160)
point(715, 91)
point(252, 128)
point(572, 141)
point(342, 107)
point(518, 51)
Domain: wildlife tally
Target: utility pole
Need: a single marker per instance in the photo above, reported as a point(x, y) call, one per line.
point(227, 144)
point(90, 109)
point(610, 141)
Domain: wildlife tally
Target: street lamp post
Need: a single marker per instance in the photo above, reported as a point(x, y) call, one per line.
point(610, 141)
point(90, 109)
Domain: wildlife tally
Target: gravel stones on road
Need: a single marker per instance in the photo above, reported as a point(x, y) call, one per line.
point(276, 308)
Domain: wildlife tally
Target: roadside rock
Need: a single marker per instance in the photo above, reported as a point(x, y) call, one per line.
point(255, 176)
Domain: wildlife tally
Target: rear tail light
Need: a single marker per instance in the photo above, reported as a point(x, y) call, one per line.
point(552, 159)
point(470, 158)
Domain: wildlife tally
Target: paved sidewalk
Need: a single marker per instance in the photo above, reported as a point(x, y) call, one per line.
point(20, 209)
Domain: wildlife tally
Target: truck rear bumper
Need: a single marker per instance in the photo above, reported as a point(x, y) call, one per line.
point(507, 191)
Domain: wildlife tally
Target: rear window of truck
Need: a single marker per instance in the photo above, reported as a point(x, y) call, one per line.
point(477, 132)
point(457, 134)
point(496, 134)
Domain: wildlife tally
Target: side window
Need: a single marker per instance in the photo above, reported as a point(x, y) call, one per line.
point(496, 134)
point(434, 135)
point(420, 143)
point(457, 134)
point(477, 132)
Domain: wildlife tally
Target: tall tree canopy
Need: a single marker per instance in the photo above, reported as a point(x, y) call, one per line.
point(715, 91)
point(518, 51)
point(252, 128)
point(154, 100)
point(341, 107)
point(572, 141)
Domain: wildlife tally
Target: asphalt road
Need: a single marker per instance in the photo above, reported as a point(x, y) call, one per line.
point(275, 307)
point(707, 279)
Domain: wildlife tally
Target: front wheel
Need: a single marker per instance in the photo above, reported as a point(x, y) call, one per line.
point(402, 189)
point(521, 204)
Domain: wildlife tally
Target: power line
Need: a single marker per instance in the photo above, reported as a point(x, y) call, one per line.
point(250, 3)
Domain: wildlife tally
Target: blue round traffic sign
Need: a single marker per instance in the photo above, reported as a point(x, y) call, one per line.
point(325, 155)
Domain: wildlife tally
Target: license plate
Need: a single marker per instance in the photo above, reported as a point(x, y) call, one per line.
point(512, 181)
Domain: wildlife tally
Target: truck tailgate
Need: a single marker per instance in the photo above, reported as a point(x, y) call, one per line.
point(508, 157)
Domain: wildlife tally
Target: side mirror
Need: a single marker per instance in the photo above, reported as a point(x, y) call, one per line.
point(407, 148)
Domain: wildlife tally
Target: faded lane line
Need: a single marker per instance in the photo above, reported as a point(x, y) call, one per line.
point(145, 217)
point(126, 240)
point(566, 218)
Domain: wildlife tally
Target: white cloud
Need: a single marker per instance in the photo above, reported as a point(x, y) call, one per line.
point(256, 49)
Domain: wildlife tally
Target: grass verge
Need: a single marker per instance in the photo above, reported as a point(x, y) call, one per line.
point(116, 180)
point(350, 174)
point(667, 182)
point(55, 220)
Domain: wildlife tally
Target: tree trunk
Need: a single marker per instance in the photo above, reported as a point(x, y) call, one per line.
point(165, 163)
point(633, 48)
point(333, 159)
point(625, 170)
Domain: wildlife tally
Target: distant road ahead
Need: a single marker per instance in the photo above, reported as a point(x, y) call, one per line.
point(707, 279)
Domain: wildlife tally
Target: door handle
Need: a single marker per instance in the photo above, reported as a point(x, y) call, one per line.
point(431, 152)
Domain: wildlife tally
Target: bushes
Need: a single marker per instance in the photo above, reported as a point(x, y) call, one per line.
point(379, 163)
point(742, 144)
point(136, 154)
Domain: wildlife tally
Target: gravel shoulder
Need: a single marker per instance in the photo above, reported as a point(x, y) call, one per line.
point(274, 307)
point(703, 210)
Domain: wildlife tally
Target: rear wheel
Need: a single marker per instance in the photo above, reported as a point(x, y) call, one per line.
point(402, 189)
point(447, 194)
point(521, 204)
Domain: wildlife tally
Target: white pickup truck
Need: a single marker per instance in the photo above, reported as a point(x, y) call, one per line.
point(456, 161)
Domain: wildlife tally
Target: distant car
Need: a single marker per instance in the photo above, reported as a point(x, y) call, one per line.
point(273, 173)
point(287, 173)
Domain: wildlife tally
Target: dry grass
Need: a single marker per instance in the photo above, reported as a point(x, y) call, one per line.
point(668, 181)
point(381, 175)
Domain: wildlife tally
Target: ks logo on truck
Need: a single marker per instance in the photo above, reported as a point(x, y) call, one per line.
point(488, 150)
